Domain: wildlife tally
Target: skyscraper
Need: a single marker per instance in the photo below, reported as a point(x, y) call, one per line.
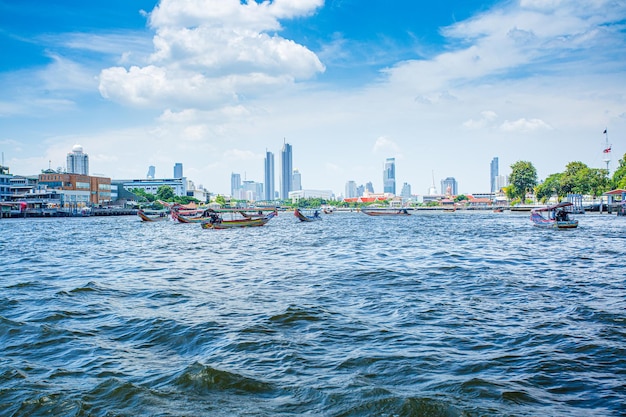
point(235, 185)
point(269, 176)
point(369, 187)
point(178, 170)
point(77, 161)
point(494, 174)
point(351, 190)
point(151, 172)
point(389, 176)
point(296, 181)
point(449, 186)
point(406, 190)
point(286, 171)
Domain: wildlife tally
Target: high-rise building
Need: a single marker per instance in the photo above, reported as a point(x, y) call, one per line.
point(286, 171)
point(296, 181)
point(151, 172)
point(235, 185)
point(351, 190)
point(369, 187)
point(494, 174)
point(449, 186)
point(360, 190)
point(178, 170)
point(389, 176)
point(269, 176)
point(77, 161)
point(406, 191)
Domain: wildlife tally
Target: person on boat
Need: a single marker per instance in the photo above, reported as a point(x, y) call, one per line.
point(316, 214)
point(214, 218)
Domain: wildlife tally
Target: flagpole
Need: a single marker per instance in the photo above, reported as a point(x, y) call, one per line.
point(607, 150)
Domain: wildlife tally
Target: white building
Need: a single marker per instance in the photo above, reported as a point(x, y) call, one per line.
point(151, 186)
point(77, 161)
point(297, 195)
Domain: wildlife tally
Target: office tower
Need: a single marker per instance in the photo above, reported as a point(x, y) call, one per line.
point(178, 170)
point(269, 176)
point(360, 190)
point(286, 171)
point(77, 161)
point(296, 181)
point(351, 190)
point(235, 185)
point(494, 175)
point(151, 172)
point(389, 176)
point(369, 187)
point(449, 186)
point(406, 190)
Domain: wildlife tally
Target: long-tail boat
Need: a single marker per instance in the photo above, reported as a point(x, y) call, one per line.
point(555, 216)
point(385, 211)
point(153, 215)
point(217, 222)
point(306, 218)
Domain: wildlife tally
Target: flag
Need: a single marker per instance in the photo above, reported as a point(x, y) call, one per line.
point(604, 133)
point(607, 150)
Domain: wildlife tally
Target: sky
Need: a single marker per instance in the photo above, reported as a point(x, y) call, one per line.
point(443, 87)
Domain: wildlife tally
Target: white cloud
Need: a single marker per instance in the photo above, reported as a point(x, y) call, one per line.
point(486, 119)
point(384, 144)
point(212, 52)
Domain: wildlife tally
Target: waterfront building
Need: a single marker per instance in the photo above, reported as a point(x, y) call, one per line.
point(449, 186)
point(286, 171)
point(296, 181)
point(5, 185)
point(235, 185)
point(151, 186)
point(269, 176)
point(199, 193)
point(178, 170)
point(389, 176)
point(494, 173)
point(151, 172)
point(78, 189)
point(351, 190)
point(77, 161)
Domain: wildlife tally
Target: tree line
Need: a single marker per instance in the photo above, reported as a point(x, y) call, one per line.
point(577, 178)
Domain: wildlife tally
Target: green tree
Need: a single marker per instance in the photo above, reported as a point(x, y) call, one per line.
point(523, 178)
point(619, 176)
point(165, 193)
point(143, 195)
point(550, 187)
point(219, 199)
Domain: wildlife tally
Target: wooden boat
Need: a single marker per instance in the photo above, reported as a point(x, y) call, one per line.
point(217, 222)
point(555, 216)
point(385, 212)
point(176, 215)
point(305, 218)
point(153, 215)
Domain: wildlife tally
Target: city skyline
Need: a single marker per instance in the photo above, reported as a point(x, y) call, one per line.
point(439, 87)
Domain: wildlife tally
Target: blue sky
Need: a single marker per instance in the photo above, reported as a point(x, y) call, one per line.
point(441, 86)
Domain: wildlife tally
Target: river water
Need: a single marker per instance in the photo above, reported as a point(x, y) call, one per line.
point(435, 314)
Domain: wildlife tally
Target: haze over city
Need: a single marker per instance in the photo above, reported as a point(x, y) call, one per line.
point(442, 88)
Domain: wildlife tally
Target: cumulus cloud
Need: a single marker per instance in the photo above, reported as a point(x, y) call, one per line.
point(384, 144)
point(214, 51)
point(486, 118)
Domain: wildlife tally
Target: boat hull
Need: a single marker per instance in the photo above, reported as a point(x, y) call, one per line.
point(304, 218)
point(233, 224)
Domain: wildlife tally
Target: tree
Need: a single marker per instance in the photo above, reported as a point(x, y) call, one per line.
point(550, 187)
point(219, 199)
point(523, 178)
point(619, 176)
point(143, 195)
point(165, 193)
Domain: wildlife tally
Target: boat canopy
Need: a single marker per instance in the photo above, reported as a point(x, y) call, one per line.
point(554, 207)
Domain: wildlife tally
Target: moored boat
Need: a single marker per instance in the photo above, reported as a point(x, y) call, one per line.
point(555, 216)
point(307, 218)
